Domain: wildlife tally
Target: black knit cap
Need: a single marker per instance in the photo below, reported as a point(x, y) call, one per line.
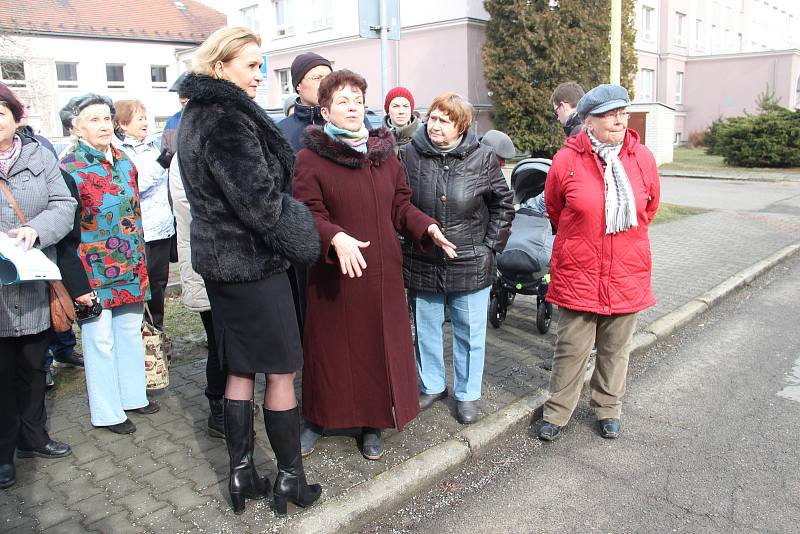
point(304, 63)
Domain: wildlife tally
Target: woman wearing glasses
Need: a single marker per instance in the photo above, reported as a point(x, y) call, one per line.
point(602, 192)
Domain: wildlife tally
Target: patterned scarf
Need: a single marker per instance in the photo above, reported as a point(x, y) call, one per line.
point(620, 202)
point(355, 140)
point(8, 157)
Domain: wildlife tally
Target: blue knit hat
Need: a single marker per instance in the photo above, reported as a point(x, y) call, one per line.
point(603, 98)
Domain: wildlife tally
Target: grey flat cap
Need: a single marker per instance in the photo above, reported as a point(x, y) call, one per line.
point(603, 98)
point(502, 143)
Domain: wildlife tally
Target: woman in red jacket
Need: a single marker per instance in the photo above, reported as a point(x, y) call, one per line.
point(601, 192)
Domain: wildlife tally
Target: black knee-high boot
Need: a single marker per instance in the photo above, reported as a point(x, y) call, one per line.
point(283, 430)
point(244, 480)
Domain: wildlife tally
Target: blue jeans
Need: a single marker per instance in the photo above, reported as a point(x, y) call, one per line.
point(468, 313)
point(62, 345)
point(114, 360)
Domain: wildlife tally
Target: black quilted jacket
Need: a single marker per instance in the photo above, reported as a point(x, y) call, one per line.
point(465, 191)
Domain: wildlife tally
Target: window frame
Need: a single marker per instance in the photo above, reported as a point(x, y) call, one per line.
point(67, 83)
point(254, 10)
point(647, 17)
point(13, 82)
point(324, 22)
point(158, 84)
point(279, 73)
point(679, 80)
point(115, 84)
point(680, 29)
point(649, 92)
point(283, 28)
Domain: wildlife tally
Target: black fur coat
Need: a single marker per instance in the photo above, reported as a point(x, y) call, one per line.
point(237, 170)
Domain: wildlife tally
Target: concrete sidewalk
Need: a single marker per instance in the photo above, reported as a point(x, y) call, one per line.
point(735, 174)
point(171, 477)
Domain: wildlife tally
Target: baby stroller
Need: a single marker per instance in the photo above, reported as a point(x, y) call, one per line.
point(523, 267)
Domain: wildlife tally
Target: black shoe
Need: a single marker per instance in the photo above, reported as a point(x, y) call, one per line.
point(8, 475)
point(372, 446)
point(151, 408)
point(309, 437)
point(244, 482)
point(426, 400)
point(466, 412)
point(609, 428)
point(283, 431)
point(49, 381)
point(549, 432)
point(73, 360)
point(52, 449)
point(216, 419)
point(125, 427)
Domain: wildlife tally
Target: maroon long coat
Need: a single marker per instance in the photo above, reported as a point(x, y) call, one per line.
point(358, 368)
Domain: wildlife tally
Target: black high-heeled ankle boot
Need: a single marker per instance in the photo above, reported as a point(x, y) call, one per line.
point(283, 431)
point(244, 480)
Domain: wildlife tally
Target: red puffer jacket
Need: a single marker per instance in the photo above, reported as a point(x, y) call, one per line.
point(591, 270)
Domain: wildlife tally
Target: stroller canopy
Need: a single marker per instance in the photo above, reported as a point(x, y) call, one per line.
point(528, 177)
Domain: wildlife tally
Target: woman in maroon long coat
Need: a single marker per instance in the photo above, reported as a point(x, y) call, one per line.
point(358, 368)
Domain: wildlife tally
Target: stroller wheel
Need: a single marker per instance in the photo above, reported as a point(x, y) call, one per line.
point(496, 316)
point(543, 316)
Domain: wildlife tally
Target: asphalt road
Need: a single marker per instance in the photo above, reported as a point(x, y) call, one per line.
point(711, 429)
point(744, 195)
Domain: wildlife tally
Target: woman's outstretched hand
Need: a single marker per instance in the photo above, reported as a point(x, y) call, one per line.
point(348, 249)
point(441, 241)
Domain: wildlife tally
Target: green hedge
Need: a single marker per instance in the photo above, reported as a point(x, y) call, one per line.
point(770, 139)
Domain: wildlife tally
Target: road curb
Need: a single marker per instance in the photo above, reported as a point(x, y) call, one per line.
point(754, 177)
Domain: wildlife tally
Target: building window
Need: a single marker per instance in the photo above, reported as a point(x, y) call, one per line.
point(680, 29)
point(283, 18)
point(285, 81)
point(678, 138)
point(158, 76)
point(12, 72)
point(699, 45)
point(115, 75)
point(67, 74)
point(679, 88)
point(647, 23)
point(323, 14)
point(646, 85)
point(251, 18)
point(160, 123)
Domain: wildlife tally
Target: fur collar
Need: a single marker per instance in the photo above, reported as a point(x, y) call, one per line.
point(379, 147)
point(207, 90)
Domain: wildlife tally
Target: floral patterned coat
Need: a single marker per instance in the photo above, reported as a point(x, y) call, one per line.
point(112, 240)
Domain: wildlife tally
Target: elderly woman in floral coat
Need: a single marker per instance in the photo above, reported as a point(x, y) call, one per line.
point(112, 254)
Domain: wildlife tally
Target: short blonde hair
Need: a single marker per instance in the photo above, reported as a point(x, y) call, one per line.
point(126, 109)
point(455, 107)
point(222, 45)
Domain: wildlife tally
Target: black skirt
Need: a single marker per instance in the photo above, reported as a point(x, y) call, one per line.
point(255, 325)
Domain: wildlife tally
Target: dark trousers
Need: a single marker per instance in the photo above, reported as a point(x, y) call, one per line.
point(158, 271)
point(62, 345)
point(22, 412)
point(216, 370)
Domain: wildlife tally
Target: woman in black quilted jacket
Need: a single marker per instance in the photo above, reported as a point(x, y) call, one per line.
point(457, 181)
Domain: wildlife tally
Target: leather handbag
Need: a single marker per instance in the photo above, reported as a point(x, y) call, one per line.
point(62, 310)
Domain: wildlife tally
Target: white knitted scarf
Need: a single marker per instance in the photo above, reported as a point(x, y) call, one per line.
point(620, 202)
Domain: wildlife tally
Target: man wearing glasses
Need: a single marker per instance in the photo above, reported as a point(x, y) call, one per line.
point(308, 70)
point(564, 100)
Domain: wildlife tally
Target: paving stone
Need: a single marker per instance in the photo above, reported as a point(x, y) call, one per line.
point(119, 486)
point(116, 524)
point(52, 513)
point(140, 503)
point(162, 445)
point(77, 490)
point(18, 523)
point(67, 527)
point(162, 481)
point(185, 497)
point(104, 468)
point(95, 508)
point(182, 461)
point(142, 464)
point(163, 520)
point(87, 452)
point(204, 476)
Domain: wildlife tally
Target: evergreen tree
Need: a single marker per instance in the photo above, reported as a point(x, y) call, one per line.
point(529, 50)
